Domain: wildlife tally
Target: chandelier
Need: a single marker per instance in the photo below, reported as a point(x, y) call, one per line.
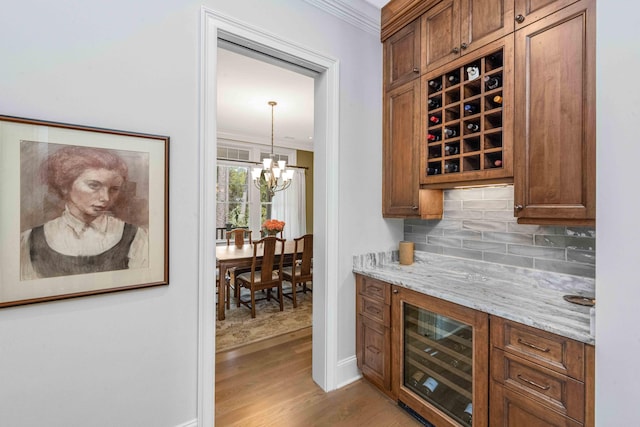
point(273, 176)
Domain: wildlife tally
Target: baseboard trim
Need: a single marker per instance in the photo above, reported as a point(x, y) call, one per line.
point(347, 372)
point(192, 423)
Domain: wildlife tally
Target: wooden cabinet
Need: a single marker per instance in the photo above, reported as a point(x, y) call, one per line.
point(401, 53)
point(554, 124)
point(401, 133)
point(440, 358)
point(453, 28)
point(537, 378)
point(510, 373)
point(529, 11)
point(373, 333)
point(468, 130)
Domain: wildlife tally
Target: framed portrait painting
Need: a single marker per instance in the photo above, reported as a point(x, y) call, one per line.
point(83, 210)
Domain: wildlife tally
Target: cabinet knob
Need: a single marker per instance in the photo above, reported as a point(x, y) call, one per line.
point(463, 46)
point(518, 207)
point(519, 19)
point(455, 50)
point(416, 70)
point(415, 208)
point(395, 291)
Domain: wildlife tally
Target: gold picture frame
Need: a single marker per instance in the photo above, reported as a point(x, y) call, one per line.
point(83, 210)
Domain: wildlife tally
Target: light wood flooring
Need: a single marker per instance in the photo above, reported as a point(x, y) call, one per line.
point(269, 384)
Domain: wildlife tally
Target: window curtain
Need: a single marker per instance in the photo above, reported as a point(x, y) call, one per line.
point(289, 206)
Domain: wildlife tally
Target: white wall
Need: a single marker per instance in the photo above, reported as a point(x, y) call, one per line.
point(618, 225)
point(130, 358)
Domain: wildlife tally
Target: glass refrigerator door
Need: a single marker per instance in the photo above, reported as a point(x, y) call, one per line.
point(438, 354)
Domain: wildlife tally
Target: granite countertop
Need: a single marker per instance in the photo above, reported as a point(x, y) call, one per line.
point(531, 297)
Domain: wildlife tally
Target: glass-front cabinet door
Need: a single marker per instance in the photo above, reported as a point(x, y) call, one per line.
point(444, 360)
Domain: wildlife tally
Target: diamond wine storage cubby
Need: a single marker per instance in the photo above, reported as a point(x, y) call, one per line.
point(467, 124)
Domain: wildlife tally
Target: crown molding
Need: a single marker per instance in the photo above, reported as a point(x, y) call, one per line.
point(343, 9)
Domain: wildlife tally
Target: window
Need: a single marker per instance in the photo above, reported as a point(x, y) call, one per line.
point(238, 202)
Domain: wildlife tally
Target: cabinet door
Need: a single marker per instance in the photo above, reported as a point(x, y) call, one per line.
point(402, 56)
point(400, 151)
point(529, 11)
point(483, 21)
point(554, 144)
point(441, 34)
point(374, 352)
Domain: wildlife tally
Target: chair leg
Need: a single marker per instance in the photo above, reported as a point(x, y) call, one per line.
point(253, 304)
point(294, 288)
point(281, 296)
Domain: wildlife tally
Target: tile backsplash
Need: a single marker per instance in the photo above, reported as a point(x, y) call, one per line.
point(478, 223)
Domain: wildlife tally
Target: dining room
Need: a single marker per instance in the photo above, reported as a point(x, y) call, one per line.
point(264, 191)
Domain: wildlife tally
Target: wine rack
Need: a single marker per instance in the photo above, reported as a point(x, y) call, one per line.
point(438, 362)
point(467, 135)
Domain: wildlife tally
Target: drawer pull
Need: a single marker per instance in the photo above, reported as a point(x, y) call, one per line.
point(375, 288)
point(533, 383)
point(533, 346)
point(373, 349)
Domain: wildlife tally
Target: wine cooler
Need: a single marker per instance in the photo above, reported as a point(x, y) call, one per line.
point(444, 360)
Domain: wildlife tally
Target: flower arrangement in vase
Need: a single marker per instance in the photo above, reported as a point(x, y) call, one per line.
point(271, 227)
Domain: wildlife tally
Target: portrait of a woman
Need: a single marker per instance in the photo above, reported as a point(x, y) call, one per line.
point(86, 236)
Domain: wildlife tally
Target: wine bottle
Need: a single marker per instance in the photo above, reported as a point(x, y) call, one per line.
point(450, 150)
point(470, 109)
point(492, 82)
point(435, 85)
point(495, 59)
point(497, 99)
point(467, 416)
point(453, 79)
point(416, 378)
point(432, 137)
point(434, 120)
point(451, 167)
point(473, 127)
point(433, 171)
point(497, 163)
point(450, 133)
point(433, 103)
point(430, 385)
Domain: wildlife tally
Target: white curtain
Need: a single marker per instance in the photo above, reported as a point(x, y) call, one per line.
point(290, 206)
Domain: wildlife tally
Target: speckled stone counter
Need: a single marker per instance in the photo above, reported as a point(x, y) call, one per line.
point(531, 297)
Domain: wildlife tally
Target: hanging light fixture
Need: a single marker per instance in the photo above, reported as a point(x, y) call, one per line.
point(272, 176)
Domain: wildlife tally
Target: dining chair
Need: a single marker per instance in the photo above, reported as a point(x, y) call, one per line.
point(265, 274)
point(301, 271)
point(239, 235)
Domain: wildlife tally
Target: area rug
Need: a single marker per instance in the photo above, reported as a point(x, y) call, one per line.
point(238, 328)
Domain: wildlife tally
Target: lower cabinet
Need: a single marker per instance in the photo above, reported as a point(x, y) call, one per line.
point(373, 333)
point(456, 366)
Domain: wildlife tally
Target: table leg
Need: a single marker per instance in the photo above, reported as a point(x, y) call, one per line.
point(222, 290)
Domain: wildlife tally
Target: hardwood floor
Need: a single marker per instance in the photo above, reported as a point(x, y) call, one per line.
point(269, 384)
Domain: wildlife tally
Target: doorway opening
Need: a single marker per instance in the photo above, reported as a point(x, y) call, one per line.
point(217, 27)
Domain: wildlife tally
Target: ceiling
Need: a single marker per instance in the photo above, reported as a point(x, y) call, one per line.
point(247, 81)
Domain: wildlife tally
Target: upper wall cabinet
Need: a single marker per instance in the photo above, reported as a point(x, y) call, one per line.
point(402, 56)
point(554, 124)
point(529, 11)
point(400, 188)
point(454, 28)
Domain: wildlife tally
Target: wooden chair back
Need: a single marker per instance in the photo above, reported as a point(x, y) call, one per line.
point(272, 248)
point(306, 258)
point(238, 235)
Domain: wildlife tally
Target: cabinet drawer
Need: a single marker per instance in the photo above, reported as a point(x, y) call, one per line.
point(375, 289)
point(510, 408)
point(375, 352)
point(375, 310)
point(552, 351)
point(550, 388)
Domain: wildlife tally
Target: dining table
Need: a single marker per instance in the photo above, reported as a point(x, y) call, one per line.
point(232, 256)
